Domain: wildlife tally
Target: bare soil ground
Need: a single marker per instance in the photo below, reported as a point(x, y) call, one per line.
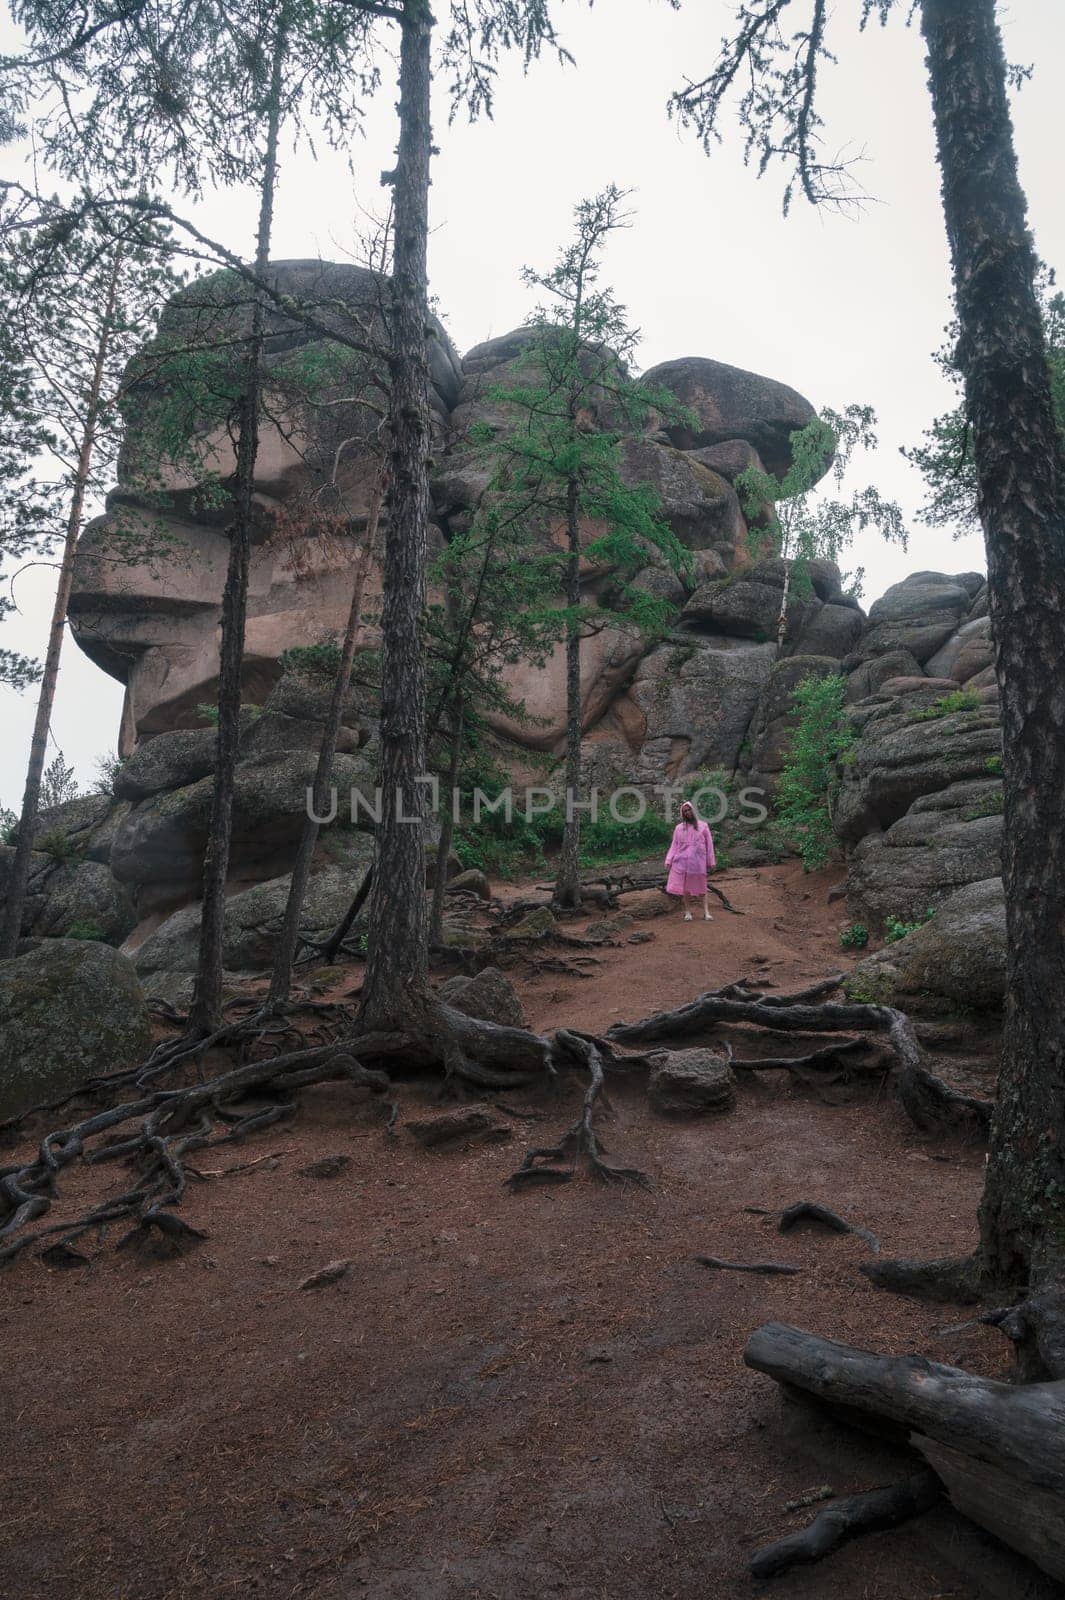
point(508, 1396)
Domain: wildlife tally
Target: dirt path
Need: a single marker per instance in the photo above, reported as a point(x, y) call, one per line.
point(508, 1396)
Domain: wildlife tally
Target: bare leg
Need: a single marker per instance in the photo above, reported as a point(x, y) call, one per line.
point(687, 912)
point(706, 907)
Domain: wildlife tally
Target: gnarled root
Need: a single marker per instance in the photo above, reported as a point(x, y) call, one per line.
point(948, 1280)
point(167, 1124)
point(1036, 1327)
point(490, 1055)
point(579, 1144)
point(929, 1101)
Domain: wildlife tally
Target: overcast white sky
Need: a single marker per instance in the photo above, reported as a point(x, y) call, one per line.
point(843, 308)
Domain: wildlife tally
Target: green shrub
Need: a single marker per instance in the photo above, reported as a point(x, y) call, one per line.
point(855, 936)
point(946, 705)
point(209, 713)
point(993, 764)
point(84, 930)
point(8, 826)
point(809, 782)
point(608, 839)
point(322, 658)
point(60, 846)
point(897, 929)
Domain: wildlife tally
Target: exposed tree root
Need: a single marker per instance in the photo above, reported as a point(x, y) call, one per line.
point(998, 1448)
point(847, 1519)
point(929, 1102)
point(768, 1269)
point(617, 883)
point(167, 1124)
point(950, 1280)
point(487, 1054)
point(263, 1026)
point(821, 1216)
point(1036, 1328)
point(579, 1145)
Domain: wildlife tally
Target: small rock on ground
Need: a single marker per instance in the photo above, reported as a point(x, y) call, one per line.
point(690, 1082)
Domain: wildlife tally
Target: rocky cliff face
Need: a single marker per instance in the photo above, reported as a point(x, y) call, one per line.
point(919, 811)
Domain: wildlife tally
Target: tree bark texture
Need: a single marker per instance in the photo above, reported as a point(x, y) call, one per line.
point(397, 970)
point(1021, 478)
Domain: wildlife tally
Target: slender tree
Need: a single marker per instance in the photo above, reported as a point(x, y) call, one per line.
point(573, 404)
point(1020, 478)
point(206, 1010)
point(285, 951)
point(397, 970)
point(77, 309)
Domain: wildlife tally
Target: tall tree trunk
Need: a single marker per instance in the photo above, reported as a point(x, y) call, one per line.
point(206, 1010)
point(1021, 475)
point(397, 969)
point(20, 869)
point(447, 823)
point(568, 882)
point(281, 976)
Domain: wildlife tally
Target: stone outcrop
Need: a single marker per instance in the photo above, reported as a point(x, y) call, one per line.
point(919, 804)
point(252, 922)
point(959, 955)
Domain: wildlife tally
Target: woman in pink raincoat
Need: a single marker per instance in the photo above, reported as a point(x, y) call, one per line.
point(690, 858)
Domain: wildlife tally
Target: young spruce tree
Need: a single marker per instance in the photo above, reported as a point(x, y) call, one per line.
point(573, 405)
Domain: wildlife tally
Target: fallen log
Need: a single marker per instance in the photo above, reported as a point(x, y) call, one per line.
point(998, 1449)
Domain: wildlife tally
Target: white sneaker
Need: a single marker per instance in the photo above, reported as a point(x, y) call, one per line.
point(687, 916)
point(708, 917)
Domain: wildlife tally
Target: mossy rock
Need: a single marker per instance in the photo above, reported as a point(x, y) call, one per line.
point(539, 924)
point(70, 1009)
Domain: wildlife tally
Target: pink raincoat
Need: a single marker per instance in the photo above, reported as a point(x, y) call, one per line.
point(689, 858)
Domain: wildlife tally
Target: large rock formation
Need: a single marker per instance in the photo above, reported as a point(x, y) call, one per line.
point(153, 623)
point(919, 805)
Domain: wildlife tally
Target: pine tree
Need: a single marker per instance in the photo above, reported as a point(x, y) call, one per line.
point(1019, 457)
point(573, 404)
